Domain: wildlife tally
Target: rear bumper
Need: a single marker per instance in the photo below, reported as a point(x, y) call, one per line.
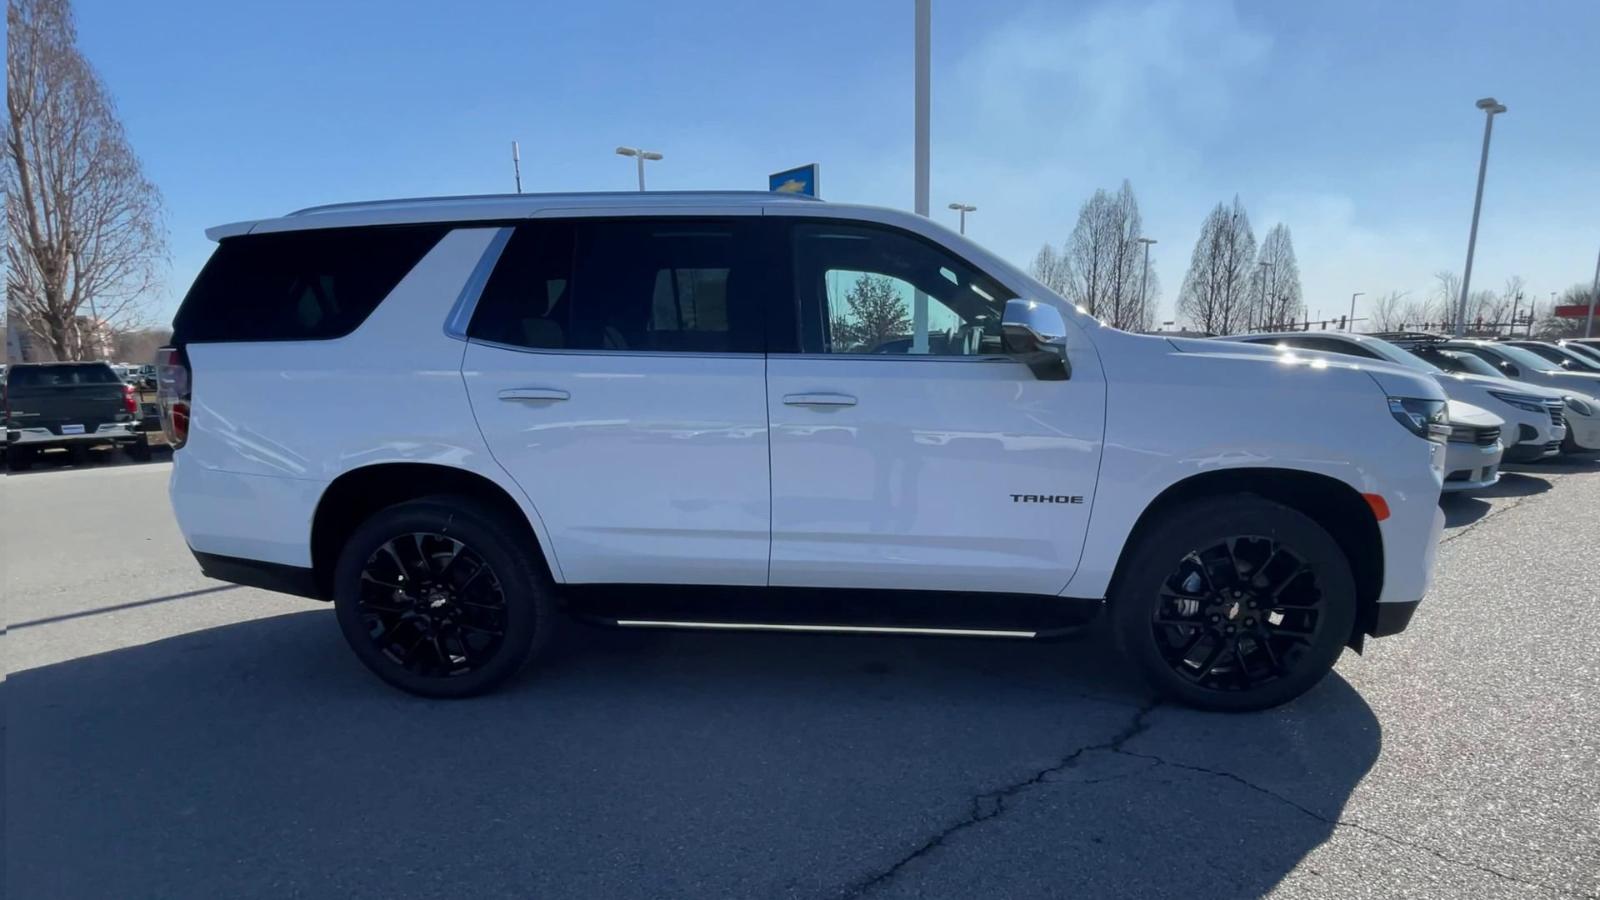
point(44, 437)
point(254, 573)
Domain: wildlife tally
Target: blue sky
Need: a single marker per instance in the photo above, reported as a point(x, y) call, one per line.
point(1351, 122)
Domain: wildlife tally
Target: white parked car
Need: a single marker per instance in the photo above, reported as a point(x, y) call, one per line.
point(1472, 457)
point(1519, 364)
point(461, 419)
point(1533, 420)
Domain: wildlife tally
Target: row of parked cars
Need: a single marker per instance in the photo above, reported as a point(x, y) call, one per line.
point(1510, 400)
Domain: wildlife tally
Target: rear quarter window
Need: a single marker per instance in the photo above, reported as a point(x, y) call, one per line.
point(298, 285)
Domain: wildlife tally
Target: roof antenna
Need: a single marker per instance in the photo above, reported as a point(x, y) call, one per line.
point(516, 165)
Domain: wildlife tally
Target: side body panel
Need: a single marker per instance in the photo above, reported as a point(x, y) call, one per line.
point(1173, 414)
point(652, 468)
point(273, 423)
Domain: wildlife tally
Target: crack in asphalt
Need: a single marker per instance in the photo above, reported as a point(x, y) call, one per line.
point(990, 804)
point(1493, 513)
point(1356, 826)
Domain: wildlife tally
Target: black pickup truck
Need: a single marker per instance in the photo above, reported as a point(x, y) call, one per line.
point(75, 405)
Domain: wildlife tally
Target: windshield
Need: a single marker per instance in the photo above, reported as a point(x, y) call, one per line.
point(37, 376)
point(1581, 362)
point(1396, 355)
point(1468, 364)
point(1525, 358)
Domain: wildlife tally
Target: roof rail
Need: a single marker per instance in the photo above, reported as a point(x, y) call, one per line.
point(772, 196)
point(1413, 337)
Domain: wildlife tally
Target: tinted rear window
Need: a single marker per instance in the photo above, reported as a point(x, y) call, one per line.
point(49, 376)
point(299, 285)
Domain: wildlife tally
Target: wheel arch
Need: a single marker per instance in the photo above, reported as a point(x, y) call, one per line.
point(1331, 503)
point(357, 494)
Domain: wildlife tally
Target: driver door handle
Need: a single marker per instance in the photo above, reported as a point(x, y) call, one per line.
point(534, 394)
point(818, 400)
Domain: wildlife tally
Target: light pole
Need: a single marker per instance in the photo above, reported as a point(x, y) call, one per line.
point(963, 209)
point(516, 165)
point(1266, 267)
point(641, 156)
point(1594, 295)
point(1351, 326)
point(1144, 276)
point(1491, 108)
point(922, 29)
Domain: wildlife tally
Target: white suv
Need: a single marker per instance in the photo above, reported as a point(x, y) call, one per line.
point(463, 420)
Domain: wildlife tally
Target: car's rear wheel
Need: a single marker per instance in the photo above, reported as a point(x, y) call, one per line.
point(437, 597)
point(1235, 603)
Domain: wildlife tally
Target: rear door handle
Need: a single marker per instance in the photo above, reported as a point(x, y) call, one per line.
point(534, 394)
point(818, 400)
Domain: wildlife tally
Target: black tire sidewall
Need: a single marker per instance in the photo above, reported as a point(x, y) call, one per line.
point(1204, 523)
point(529, 610)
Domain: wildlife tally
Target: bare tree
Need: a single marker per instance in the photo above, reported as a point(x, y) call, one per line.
point(1553, 327)
point(1388, 312)
point(1214, 295)
point(83, 225)
point(1050, 268)
point(1275, 294)
point(1101, 267)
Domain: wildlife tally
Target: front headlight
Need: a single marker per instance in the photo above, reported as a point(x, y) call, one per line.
point(1578, 406)
point(1427, 419)
point(1521, 401)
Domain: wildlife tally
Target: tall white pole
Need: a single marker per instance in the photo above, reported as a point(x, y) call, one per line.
point(1490, 108)
point(640, 159)
point(1144, 277)
point(923, 30)
point(1594, 297)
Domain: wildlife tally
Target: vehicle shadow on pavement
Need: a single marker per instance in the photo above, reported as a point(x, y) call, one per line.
point(97, 458)
point(1466, 508)
point(258, 759)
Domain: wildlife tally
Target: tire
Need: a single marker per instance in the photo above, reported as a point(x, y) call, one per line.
point(1186, 571)
point(468, 629)
point(20, 459)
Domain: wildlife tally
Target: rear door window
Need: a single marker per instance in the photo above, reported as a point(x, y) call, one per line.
point(299, 285)
point(642, 285)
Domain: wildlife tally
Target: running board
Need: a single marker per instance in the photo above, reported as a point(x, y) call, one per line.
point(758, 608)
point(829, 629)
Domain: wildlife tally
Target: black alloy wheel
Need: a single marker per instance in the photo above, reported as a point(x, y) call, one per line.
point(1234, 603)
point(444, 596)
point(1238, 614)
point(432, 605)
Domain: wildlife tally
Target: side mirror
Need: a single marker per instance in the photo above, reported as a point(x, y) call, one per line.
point(1035, 334)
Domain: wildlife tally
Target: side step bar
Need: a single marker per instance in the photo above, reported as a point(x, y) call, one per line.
point(755, 608)
point(829, 629)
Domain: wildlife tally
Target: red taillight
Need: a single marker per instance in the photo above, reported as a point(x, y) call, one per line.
point(129, 402)
point(172, 393)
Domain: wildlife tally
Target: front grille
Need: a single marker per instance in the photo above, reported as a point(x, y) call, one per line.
point(1552, 448)
point(1468, 434)
point(1558, 414)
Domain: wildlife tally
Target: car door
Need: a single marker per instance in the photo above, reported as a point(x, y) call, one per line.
point(908, 451)
point(615, 368)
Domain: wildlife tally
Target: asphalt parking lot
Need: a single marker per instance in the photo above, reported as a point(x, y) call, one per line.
point(171, 736)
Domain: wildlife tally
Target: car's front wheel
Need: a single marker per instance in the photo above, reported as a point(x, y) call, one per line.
point(1235, 603)
point(438, 597)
